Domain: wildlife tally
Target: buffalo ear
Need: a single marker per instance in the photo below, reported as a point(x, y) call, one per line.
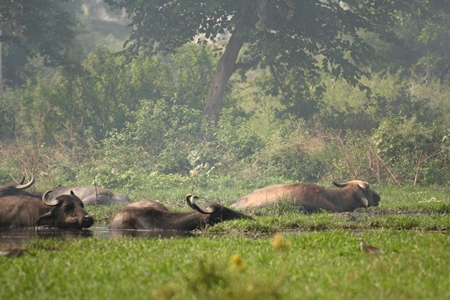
point(45, 219)
point(210, 209)
point(363, 185)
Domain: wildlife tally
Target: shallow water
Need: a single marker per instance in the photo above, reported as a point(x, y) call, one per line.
point(104, 232)
point(20, 236)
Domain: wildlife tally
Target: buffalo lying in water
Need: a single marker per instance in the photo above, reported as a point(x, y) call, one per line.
point(148, 214)
point(311, 197)
point(66, 212)
point(13, 188)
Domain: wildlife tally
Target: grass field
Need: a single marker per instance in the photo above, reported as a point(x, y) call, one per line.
point(316, 257)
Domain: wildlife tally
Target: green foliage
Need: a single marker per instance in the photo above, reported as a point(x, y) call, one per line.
point(237, 138)
point(105, 94)
point(123, 126)
point(404, 103)
point(330, 41)
point(39, 27)
point(417, 152)
point(7, 119)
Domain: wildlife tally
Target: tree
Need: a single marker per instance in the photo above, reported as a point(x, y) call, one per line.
point(423, 50)
point(290, 38)
point(45, 28)
point(431, 19)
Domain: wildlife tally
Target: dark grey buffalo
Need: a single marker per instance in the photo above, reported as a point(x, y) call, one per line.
point(311, 197)
point(66, 212)
point(90, 195)
point(148, 214)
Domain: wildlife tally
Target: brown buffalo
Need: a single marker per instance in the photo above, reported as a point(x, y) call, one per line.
point(311, 197)
point(13, 188)
point(66, 211)
point(91, 195)
point(148, 214)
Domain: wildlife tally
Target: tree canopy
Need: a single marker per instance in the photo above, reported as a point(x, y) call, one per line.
point(44, 28)
point(293, 39)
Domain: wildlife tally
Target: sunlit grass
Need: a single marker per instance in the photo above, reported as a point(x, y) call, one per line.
point(316, 265)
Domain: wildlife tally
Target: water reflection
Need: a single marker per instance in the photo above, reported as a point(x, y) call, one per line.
point(103, 232)
point(20, 236)
point(150, 233)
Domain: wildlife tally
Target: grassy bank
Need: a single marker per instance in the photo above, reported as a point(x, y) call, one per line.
point(311, 265)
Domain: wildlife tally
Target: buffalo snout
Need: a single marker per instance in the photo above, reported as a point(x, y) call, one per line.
point(87, 221)
point(376, 199)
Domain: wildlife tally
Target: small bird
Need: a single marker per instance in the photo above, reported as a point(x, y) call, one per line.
point(13, 252)
point(369, 249)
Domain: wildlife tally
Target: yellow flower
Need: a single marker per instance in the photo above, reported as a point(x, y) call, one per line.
point(193, 173)
point(278, 242)
point(237, 262)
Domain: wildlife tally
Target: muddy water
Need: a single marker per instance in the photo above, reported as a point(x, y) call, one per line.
point(20, 236)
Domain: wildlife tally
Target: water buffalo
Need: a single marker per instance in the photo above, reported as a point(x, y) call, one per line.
point(148, 214)
point(90, 195)
point(87, 194)
point(14, 188)
point(66, 211)
point(311, 197)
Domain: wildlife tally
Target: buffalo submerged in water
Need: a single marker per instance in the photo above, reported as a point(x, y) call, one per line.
point(65, 212)
point(149, 214)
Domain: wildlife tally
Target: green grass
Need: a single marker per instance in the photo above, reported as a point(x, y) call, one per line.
point(316, 265)
point(236, 259)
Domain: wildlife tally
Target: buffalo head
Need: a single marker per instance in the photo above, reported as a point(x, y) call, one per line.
point(362, 192)
point(65, 211)
point(214, 212)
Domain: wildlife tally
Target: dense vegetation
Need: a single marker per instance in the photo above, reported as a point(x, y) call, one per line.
point(133, 124)
point(129, 126)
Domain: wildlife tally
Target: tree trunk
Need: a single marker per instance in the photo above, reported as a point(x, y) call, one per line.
point(1, 66)
point(224, 70)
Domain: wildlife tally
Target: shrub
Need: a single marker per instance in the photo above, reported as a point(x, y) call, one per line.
point(415, 152)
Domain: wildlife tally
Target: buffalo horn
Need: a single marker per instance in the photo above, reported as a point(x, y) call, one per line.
point(339, 184)
point(191, 202)
point(47, 202)
point(44, 197)
point(26, 185)
point(365, 202)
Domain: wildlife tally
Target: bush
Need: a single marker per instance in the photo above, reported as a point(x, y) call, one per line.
point(415, 152)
